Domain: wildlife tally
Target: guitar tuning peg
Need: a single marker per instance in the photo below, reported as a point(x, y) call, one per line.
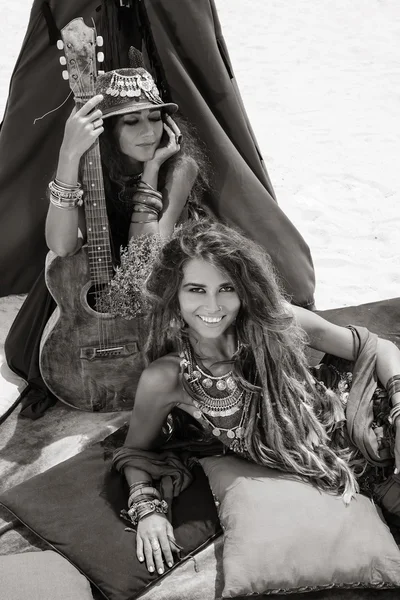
point(65, 75)
point(100, 72)
point(63, 60)
point(60, 44)
point(100, 56)
point(99, 40)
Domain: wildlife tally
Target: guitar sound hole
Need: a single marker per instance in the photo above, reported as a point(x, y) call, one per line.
point(93, 295)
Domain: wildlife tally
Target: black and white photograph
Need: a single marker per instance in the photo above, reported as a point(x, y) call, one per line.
point(199, 300)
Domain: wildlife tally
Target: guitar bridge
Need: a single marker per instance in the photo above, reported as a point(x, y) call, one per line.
point(98, 353)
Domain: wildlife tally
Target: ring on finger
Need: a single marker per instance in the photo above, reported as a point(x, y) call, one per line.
point(178, 138)
point(155, 545)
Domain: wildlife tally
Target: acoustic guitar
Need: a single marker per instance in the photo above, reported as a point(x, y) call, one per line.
point(89, 360)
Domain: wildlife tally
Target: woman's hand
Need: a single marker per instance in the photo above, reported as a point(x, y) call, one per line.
point(155, 542)
point(82, 129)
point(173, 145)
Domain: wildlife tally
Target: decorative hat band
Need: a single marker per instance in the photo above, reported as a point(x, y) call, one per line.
point(129, 90)
point(134, 86)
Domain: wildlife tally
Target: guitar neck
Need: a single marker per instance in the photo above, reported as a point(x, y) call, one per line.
point(98, 234)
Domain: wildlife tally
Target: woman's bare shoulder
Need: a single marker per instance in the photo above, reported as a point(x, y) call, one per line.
point(162, 375)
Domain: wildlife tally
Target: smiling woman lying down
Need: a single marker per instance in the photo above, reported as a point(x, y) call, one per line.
point(227, 359)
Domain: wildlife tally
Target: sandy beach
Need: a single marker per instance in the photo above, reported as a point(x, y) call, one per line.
point(321, 84)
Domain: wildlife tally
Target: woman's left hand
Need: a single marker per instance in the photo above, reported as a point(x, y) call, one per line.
point(173, 145)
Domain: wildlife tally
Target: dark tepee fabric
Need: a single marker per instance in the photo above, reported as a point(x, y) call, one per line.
point(193, 62)
point(28, 151)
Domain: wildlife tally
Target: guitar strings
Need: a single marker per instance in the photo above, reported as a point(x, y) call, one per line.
point(99, 252)
point(91, 223)
point(53, 109)
point(89, 216)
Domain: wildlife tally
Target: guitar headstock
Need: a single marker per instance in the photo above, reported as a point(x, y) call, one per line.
point(79, 42)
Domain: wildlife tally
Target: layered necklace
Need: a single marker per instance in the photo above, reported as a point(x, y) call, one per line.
point(217, 397)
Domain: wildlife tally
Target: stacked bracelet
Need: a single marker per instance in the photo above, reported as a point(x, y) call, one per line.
point(393, 386)
point(64, 195)
point(147, 202)
point(138, 484)
point(142, 509)
point(143, 493)
point(143, 215)
point(394, 413)
point(147, 189)
point(144, 499)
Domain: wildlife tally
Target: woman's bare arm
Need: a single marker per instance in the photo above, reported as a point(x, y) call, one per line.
point(336, 340)
point(325, 336)
point(157, 394)
point(178, 186)
point(66, 229)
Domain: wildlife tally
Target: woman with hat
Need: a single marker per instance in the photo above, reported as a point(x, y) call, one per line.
point(153, 176)
point(144, 155)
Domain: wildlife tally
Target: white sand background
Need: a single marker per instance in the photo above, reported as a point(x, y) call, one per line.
point(321, 84)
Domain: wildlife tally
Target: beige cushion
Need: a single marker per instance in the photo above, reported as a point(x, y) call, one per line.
point(41, 576)
point(284, 535)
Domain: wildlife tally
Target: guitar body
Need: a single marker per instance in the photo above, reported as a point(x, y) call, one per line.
point(89, 360)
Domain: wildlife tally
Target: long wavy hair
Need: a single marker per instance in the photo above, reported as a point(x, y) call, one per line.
point(290, 419)
point(114, 162)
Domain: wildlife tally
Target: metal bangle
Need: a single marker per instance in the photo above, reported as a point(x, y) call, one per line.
point(156, 208)
point(151, 218)
point(392, 380)
point(140, 483)
point(67, 186)
point(147, 188)
point(65, 193)
point(63, 205)
point(145, 490)
point(144, 222)
point(394, 414)
point(141, 208)
point(148, 199)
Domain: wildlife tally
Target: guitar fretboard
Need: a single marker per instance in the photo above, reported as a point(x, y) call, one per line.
point(98, 235)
